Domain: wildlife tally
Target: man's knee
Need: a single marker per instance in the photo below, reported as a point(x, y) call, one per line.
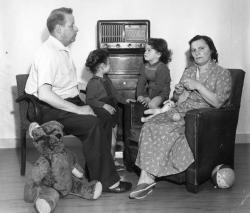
point(92, 121)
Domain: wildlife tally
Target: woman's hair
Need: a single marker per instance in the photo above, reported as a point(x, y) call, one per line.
point(209, 42)
point(57, 16)
point(161, 46)
point(95, 58)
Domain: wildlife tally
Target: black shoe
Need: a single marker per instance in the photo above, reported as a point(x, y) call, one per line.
point(123, 187)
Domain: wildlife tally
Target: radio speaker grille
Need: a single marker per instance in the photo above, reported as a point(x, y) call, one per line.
point(112, 33)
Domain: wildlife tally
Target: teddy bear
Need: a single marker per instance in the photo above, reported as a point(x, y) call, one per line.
point(56, 173)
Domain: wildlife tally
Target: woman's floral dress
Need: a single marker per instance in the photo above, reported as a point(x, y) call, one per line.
point(163, 148)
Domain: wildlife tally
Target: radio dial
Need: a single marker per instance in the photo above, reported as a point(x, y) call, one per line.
point(118, 45)
point(129, 45)
point(105, 45)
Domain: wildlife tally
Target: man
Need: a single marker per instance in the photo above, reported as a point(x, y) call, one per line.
point(53, 81)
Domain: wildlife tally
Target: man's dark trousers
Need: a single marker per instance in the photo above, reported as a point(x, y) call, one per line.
point(93, 134)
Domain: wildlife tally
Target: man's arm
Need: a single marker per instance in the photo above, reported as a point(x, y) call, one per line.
point(46, 94)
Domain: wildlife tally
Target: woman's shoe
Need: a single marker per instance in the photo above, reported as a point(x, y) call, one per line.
point(142, 190)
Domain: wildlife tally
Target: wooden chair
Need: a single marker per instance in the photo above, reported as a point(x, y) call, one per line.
point(210, 134)
point(25, 101)
point(29, 112)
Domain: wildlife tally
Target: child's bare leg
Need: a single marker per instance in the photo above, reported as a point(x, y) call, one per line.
point(155, 102)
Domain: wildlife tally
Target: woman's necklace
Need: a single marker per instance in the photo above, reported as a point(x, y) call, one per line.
point(197, 77)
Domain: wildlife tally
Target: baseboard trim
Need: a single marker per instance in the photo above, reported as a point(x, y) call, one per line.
point(8, 143)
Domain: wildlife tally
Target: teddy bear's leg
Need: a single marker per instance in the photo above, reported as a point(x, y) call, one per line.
point(31, 191)
point(88, 190)
point(46, 200)
point(34, 177)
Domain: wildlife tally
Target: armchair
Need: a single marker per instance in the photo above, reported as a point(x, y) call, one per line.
point(210, 134)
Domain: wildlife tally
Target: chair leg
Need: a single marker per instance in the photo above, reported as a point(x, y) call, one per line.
point(127, 160)
point(192, 188)
point(23, 152)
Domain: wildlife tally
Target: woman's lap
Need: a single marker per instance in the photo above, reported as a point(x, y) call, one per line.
point(163, 147)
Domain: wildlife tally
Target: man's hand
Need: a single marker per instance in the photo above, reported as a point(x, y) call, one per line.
point(109, 108)
point(86, 110)
point(129, 100)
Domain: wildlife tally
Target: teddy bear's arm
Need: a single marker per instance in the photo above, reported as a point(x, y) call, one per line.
point(76, 168)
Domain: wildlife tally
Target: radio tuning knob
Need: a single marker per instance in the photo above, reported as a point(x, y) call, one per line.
point(129, 45)
point(118, 45)
point(105, 46)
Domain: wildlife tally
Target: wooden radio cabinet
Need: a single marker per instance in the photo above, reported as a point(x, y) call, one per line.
point(125, 40)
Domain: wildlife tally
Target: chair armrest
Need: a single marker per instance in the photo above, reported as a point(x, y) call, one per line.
point(35, 115)
point(210, 132)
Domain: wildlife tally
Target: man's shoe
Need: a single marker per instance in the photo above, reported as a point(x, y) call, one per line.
point(122, 187)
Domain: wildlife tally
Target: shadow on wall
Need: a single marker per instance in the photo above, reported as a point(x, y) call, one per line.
point(44, 35)
point(16, 115)
point(188, 60)
point(86, 75)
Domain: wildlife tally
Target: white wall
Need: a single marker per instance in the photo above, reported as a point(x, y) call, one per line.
point(23, 29)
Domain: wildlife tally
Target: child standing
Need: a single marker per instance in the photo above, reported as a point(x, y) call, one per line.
point(101, 94)
point(153, 86)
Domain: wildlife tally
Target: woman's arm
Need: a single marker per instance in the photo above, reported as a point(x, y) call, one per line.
point(220, 93)
point(210, 97)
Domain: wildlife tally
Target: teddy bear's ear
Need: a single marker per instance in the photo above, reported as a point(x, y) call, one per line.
point(53, 127)
point(58, 124)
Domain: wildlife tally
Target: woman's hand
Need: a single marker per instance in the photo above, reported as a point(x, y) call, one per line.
point(109, 108)
point(191, 84)
point(179, 88)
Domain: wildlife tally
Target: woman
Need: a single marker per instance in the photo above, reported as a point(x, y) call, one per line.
point(163, 148)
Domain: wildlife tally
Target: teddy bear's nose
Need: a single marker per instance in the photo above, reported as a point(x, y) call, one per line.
point(58, 136)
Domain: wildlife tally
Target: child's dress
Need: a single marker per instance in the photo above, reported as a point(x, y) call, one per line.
point(154, 81)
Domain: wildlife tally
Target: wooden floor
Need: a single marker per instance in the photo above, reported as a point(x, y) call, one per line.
point(167, 197)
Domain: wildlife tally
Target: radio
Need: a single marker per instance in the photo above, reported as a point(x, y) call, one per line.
point(121, 36)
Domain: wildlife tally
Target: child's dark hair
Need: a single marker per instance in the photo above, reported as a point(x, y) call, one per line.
point(95, 58)
point(160, 45)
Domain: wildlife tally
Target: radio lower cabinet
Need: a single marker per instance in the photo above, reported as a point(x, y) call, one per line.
point(124, 76)
point(124, 73)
